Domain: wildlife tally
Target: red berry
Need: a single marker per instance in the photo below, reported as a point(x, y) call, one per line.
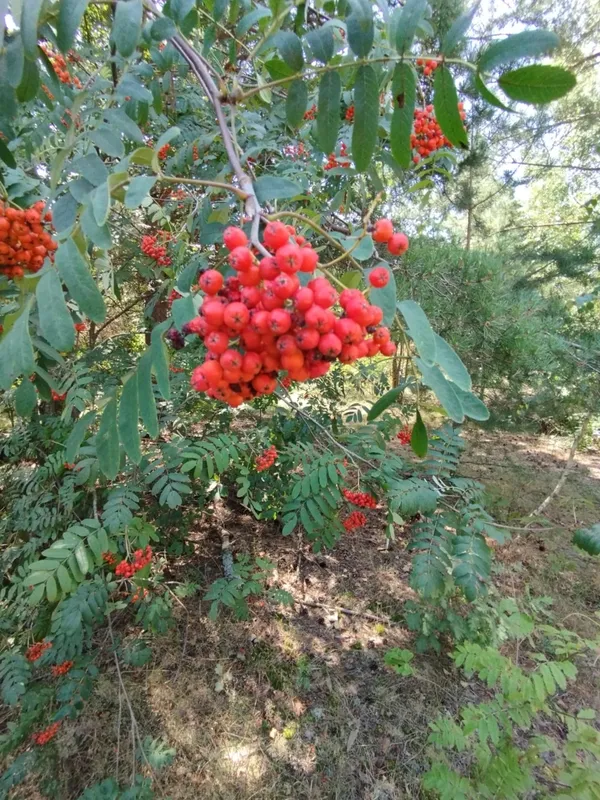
point(234, 237)
point(398, 244)
point(289, 258)
point(211, 281)
point(240, 258)
point(275, 235)
point(383, 230)
point(379, 277)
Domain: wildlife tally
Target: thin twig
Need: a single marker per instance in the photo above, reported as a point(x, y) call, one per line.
point(349, 611)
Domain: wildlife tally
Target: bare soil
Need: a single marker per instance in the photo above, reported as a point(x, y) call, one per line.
point(299, 703)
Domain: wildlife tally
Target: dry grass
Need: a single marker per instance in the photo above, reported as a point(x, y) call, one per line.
point(299, 704)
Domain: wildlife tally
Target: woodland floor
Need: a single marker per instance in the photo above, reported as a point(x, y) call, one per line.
point(299, 704)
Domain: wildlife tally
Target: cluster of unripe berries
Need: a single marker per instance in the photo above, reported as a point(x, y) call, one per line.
point(37, 650)
point(275, 322)
point(61, 669)
point(405, 435)
point(429, 65)
point(151, 248)
point(266, 459)
point(354, 520)
point(141, 558)
point(60, 68)
point(25, 239)
point(43, 737)
point(360, 499)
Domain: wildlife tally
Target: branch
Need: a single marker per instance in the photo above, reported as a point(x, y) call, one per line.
point(226, 187)
point(547, 225)
point(568, 465)
point(124, 310)
point(555, 166)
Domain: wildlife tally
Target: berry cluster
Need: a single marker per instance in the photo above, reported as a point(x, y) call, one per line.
point(80, 327)
point(68, 466)
point(333, 161)
point(266, 459)
point(109, 559)
point(150, 247)
point(58, 397)
point(24, 240)
point(276, 323)
point(43, 737)
point(397, 243)
point(354, 520)
point(37, 650)
point(141, 558)
point(59, 66)
point(175, 339)
point(349, 115)
point(195, 153)
point(428, 136)
point(61, 669)
point(429, 64)
point(311, 113)
point(164, 151)
point(295, 151)
point(360, 499)
point(405, 435)
point(139, 594)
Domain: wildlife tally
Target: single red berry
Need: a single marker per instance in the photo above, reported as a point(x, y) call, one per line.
point(398, 244)
point(234, 237)
point(379, 277)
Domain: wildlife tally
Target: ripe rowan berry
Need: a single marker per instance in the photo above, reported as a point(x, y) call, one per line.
point(234, 237)
point(383, 230)
point(379, 277)
point(398, 244)
point(275, 235)
point(211, 281)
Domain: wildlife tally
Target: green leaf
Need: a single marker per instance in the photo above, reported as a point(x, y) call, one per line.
point(404, 95)
point(360, 27)
point(30, 82)
point(488, 95)
point(55, 320)
point(418, 438)
point(109, 141)
point(73, 270)
point(29, 27)
point(296, 103)
point(407, 22)
point(25, 398)
point(100, 202)
point(528, 44)
point(146, 395)
point(268, 187)
point(366, 116)
point(328, 114)
point(419, 330)
point(138, 189)
point(70, 13)
point(127, 26)
point(445, 103)
point(384, 402)
point(385, 297)
point(128, 419)
point(250, 19)
point(51, 589)
point(537, 84)
point(98, 234)
point(450, 363)
point(444, 390)
point(160, 361)
point(16, 351)
point(37, 594)
point(179, 9)
point(92, 168)
point(107, 441)
point(321, 44)
point(7, 156)
point(290, 47)
point(457, 30)
point(64, 579)
point(472, 406)
point(81, 557)
point(183, 311)
point(162, 28)
point(352, 279)
point(588, 539)
point(77, 435)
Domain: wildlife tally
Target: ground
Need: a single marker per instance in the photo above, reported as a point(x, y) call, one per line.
point(300, 703)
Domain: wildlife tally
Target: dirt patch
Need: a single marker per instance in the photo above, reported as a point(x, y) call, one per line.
point(298, 702)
